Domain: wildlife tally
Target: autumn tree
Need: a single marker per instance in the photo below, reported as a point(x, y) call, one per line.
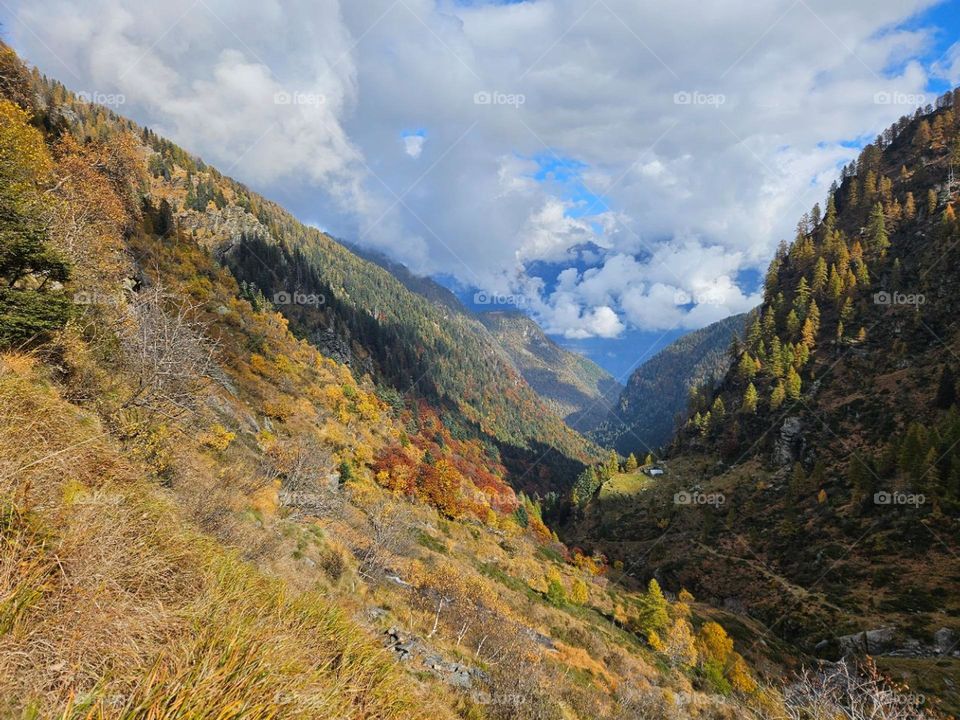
point(750, 399)
point(653, 613)
point(31, 272)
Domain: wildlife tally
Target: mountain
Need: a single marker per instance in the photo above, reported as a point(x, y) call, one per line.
point(212, 508)
point(361, 314)
point(574, 386)
point(427, 287)
point(657, 393)
point(816, 487)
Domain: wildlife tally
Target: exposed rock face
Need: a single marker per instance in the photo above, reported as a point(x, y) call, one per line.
point(869, 642)
point(409, 648)
point(790, 445)
point(887, 641)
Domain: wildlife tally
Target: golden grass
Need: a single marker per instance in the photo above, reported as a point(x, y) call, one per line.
point(113, 604)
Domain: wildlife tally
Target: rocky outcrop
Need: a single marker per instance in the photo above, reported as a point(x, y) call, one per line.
point(887, 641)
point(790, 443)
point(411, 649)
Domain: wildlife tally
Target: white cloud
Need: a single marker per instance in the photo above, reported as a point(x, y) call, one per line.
point(413, 145)
point(688, 194)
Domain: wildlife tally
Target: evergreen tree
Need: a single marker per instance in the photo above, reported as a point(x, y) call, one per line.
point(793, 384)
point(932, 202)
point(631, 464)
point(777, 395)
point(820, 275)
point(653, 613)
point(909, 207)
point(750, 399)
point(877, 231)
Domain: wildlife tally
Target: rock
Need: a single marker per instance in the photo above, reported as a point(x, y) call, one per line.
point(870, 642)
point(790, 444)
point(945, 641)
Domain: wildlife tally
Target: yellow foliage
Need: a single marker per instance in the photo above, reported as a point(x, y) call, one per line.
point(217, 437)
point(680, 644)
point(579, 594)
point(739, 675)
point(714, 643)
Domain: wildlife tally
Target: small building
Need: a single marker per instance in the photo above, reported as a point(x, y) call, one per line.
point(654, 471)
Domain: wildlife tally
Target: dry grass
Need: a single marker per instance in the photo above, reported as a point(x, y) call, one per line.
point(112, 604)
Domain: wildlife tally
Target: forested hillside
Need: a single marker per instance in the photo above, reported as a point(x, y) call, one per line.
point(817, 487)
point(212, 509)
point(654, 402)
point(577, 389)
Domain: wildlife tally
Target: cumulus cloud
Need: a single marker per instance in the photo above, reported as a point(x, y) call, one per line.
point(683, 140)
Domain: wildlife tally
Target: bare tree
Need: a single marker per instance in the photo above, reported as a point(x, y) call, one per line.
point(390, 524)
point(844, 690)
point(169, 356)
point(308, 483)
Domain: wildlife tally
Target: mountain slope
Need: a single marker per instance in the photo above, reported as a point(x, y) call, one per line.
point(577, 389)
point(657, 393)
point(817, 487)
point(361, 314)
point(204, 515)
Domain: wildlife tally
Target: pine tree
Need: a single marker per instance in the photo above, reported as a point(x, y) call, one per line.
point(932, 202)
point(794, 384)
point(747, 367)
point(808, 334)
point(653, 609)
point(754, 334)
point(631, 464)
point(820, 275)
point(877, 231)
point(793, 324)
point(777, 395)
point(835, 284)
point(750, 399)
point(909, 207)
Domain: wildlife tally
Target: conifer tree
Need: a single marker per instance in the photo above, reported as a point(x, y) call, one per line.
point(793, 384)
point(653, 609)
point(750, 399)
point(877, 231)
point(909, 207)
point(820, 275)
point(777, 395)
